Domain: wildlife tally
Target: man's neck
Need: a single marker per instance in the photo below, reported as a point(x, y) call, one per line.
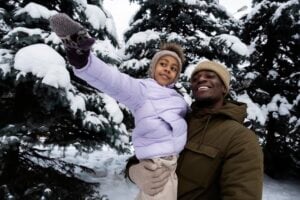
point(209, 106)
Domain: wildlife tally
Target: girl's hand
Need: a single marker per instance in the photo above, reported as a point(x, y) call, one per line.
point(75, 38)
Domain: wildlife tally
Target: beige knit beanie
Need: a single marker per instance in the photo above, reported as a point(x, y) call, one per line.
point(218, 68)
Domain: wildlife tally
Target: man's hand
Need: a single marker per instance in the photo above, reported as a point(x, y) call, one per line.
point(150, 178)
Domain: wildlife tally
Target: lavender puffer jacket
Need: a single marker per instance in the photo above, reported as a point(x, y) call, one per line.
point(160, 127)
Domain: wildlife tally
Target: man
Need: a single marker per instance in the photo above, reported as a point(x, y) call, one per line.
point(222, 159)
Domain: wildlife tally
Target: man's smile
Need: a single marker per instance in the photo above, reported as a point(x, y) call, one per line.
point(201, 88)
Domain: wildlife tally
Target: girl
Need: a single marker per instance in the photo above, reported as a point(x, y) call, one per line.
point(159, 111)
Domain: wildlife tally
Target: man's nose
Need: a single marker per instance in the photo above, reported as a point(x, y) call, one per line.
point(201, 79)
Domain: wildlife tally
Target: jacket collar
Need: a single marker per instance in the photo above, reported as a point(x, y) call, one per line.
point(231, 109)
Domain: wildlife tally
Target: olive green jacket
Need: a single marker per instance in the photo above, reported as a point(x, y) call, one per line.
point(222, 159)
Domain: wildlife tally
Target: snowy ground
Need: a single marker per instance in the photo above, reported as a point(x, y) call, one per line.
point(281, 190)
point(108, 166)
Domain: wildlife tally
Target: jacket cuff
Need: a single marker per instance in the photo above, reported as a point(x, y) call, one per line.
point(78, 59)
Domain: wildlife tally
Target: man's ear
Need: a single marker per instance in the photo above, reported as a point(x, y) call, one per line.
point(224, 90)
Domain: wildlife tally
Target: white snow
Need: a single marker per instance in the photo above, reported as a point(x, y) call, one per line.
point(113, 108)
point(52, 37)
point(5, 55)
point(195, 2)
point(203, 38)
point(272, 74)
point(83, 3)
point(237, 8)
point(297, 99)
point(251, 75)
point(254, 10)
point(280, 189)
point(296, 36)
point(283, 6)
point(4, 26)
point(77, 102)
point(254, 111)
point(105, 48)
point(135, 64)
point(92, 118)
point(111, 27)
point(96, 16)
point(279, 104)
point(29, 31)
point(108, 167)
point(191, 2)
point(174, 36)
point(5, 67)
point(234, 43)
point(284, 108)
point(188, 71)
point(44, 62)
point(121, 12)
point(143, 37)
point(36, 11)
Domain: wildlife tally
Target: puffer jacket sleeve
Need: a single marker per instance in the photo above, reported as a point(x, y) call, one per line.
point(242, 173)
point(111, 81)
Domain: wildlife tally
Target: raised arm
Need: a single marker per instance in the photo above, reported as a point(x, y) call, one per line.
point(78, 43)
point(110, 80)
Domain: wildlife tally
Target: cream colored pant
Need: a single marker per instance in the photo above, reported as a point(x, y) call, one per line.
point(170, 190)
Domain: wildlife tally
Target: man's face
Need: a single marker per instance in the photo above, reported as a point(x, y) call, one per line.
point(207, 87)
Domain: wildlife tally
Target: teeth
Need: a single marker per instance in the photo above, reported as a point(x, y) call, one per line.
point(203, 88)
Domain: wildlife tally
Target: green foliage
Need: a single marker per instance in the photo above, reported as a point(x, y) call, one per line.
point(193, 25)
point(34, 114)
point(274, 31)
point(22, 178)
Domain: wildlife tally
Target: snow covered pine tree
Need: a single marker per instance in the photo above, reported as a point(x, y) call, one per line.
point(272, 30)
point(45, 112)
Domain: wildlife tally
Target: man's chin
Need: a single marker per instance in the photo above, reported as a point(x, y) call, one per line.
point(205, 101)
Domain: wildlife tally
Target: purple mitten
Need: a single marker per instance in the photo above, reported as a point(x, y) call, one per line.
point(75, 38)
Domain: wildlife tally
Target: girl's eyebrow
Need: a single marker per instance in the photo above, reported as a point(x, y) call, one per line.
point(164, 59)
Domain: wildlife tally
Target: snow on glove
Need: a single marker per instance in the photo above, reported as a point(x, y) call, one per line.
point(75, 38)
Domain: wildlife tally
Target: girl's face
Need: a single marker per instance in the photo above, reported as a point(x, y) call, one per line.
point(166, 70)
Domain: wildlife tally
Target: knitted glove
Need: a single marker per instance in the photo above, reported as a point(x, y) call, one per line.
point(75, 38)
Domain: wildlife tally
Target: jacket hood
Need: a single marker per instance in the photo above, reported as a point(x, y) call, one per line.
point(231, 109)
point(234, 110)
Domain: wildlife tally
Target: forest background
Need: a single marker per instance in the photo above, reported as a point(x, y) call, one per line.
point(62, 139)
